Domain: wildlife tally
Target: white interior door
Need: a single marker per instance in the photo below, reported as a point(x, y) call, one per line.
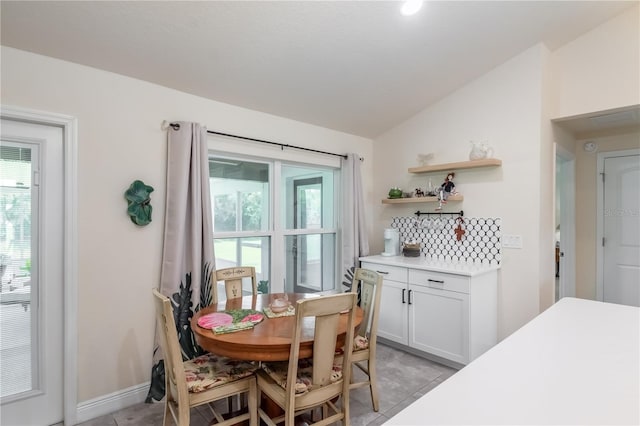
point(31, 242)
point(621, 230)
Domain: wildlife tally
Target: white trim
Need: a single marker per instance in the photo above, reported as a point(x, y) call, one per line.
point(278, 264)
point(111, 403)
point(567, 221)
point(600, 216)
point(69, 125)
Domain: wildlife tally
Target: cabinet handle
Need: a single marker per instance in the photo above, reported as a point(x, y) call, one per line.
point(436, 281)
point(382, 272)
point(410, 291)
point(403, 290)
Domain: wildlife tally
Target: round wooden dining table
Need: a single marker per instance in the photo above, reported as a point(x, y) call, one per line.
point(270, 339)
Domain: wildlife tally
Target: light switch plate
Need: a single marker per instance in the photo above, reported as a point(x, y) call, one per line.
point(512, 241)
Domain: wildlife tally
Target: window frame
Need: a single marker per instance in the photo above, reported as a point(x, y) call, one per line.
point(276, 231)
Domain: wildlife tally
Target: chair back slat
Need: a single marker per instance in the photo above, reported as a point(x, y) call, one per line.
point(324, 347)
point(233, 288)
point(233, 277)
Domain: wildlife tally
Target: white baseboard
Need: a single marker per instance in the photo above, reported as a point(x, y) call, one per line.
point(112, 402)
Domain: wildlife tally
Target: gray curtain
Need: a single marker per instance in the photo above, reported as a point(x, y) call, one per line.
point(355, 242)
point(187, 256)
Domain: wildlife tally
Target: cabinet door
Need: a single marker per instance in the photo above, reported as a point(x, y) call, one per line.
point(439, 322)
point(392, 324)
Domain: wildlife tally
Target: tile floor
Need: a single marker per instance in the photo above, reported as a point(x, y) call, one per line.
point(402, 378)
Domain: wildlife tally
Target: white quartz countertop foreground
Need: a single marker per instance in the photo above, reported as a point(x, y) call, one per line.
point(428, 264)
point(577, 363)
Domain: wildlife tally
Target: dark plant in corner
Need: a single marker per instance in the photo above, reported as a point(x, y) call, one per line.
point(182, 314)
point(348, 279)
point(348, 283)
point(263, 287)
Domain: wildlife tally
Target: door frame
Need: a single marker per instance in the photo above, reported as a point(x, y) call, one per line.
point(567, 221)
point(69, 127)
point(602, 156)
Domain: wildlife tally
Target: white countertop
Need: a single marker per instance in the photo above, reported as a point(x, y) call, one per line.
point(422, 262)
point(576, 363)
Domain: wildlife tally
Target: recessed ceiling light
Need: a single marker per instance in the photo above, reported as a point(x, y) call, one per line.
point(411, 7)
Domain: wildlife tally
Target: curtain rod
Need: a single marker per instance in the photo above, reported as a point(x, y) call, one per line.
point(176, 126)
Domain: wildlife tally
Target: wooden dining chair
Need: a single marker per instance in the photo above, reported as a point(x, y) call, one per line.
point(201, 380)
point(300, 385)
point(368, 284)
point(232, 278)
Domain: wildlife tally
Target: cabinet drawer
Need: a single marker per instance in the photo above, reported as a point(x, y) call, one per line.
point(394, 273)
point(439, 280)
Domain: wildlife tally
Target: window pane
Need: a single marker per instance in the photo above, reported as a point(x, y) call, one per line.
point(240, 195)
point(16, 316)
point(247, 251)
point(310, 263)
point(307, 198)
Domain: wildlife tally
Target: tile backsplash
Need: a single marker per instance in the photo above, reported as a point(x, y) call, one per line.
point(435, 233)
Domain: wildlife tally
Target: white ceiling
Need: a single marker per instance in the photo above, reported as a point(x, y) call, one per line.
point(355, 66)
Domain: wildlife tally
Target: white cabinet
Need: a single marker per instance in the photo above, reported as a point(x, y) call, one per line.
point(450, 315)
point(392, 324)
point(438, 322)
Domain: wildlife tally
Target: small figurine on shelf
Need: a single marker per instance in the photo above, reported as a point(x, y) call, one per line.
point(447, 188)
point(419, 192)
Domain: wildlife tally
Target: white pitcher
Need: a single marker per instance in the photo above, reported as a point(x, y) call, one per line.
point(479, 151)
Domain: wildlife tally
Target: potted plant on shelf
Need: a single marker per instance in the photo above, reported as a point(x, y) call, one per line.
point(395, 192)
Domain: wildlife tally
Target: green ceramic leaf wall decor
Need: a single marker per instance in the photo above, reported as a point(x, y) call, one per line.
point(139, 200)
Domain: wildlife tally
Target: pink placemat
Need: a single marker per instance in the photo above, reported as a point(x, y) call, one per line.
point(214, 319)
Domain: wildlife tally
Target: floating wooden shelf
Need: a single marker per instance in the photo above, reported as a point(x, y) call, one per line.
point(488, 162)
point(419, 200)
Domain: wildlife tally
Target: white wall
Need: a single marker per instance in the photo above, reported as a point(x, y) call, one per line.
point(120, 140)
point(546, 202)
point(599, 70)
point(503, 107)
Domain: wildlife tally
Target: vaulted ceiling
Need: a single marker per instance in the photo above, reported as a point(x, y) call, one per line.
point(355, 66)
